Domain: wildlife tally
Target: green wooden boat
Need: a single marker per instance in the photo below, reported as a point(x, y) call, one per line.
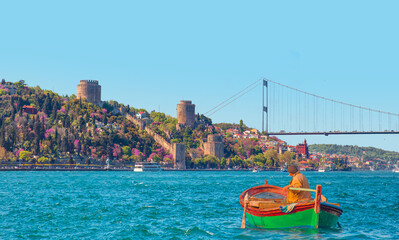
point(264, 207)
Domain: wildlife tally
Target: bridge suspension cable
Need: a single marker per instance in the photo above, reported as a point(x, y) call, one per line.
point(332, 100)
point(300, 112)
point(233, 98)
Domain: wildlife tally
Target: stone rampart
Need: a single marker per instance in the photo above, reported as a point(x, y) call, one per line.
point(179, 153)
point(178, 150)
point(214, 146)
point(160, 140)
point(136, 121)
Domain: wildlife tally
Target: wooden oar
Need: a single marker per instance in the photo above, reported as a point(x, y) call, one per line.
point(302, 189)
point(245, 210)
point(323, 199)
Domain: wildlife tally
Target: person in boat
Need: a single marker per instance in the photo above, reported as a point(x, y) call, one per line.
point(298, 181)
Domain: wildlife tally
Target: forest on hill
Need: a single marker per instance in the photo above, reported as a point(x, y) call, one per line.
point(367, 153)
point(66, 128)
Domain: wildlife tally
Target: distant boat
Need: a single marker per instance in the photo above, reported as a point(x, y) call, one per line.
point(256, 170)
point(283, 170)
point(396, 170)
point(372, 169)
point(324, 169)
point(264, 207)
point(147, 167)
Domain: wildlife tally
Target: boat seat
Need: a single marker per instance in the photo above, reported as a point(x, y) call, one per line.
point(271, 200)
point(266, 204)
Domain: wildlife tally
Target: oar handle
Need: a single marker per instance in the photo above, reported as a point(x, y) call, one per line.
point(245, 210)
point(302, 189)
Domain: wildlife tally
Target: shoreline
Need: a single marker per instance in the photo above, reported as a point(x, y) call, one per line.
point(164, 170)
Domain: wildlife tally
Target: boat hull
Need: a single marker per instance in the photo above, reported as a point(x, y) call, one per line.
point(304, 219)
point(264, 209)
point(327, 218)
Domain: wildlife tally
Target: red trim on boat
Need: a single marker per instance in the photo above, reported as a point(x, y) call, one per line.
point(276, 211)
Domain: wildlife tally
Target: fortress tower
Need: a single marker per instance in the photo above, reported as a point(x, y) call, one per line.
point(185, 114)
point(214, 146)
point(89, 90)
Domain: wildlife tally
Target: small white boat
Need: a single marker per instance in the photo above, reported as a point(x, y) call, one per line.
point(256, 170)
point(324, 169)
point(147, 167)
point(396, 170)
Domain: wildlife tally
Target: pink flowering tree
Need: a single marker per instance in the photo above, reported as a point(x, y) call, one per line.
point(48, 132)
point(76, 145)
point(137, 153)
point(154, 157)
point(116, 150)
point(19, 150)
point(62, 110)
point(161, 152)
point(248, 154)
point(168, 158)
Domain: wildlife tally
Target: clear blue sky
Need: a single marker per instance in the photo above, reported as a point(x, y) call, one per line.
point(152, 54)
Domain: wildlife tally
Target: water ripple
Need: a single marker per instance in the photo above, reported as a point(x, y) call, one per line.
point(181, 205)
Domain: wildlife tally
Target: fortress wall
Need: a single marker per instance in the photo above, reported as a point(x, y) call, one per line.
point(178, 150)
point(180, 155)
point(160, 140)
point(136, 121)
point(214, 146)
point(214, 149)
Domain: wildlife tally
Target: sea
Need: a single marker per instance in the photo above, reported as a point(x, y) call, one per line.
point(182, 205)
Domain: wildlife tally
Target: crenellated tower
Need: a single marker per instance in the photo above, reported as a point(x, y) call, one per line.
point(89, 90)
point(185, 114)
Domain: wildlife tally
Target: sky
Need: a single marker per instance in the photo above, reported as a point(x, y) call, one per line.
point(152, 54)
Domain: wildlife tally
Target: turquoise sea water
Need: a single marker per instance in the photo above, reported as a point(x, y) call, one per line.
point(181, 205)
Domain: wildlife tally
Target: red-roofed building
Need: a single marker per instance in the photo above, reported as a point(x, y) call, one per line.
point(29, 109)
point(141, 115)
point(303, 149)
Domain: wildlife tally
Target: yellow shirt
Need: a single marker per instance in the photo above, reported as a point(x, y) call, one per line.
point(298, 181)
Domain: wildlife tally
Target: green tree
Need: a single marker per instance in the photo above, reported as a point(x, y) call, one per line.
point(25, 156)
point(272, 157)
point(241, 126)
point(43, 160)
point(127, 150)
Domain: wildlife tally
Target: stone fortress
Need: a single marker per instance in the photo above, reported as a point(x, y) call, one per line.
point(186, 118)
point(89, 90)
point(185, 115)
point(214, 146)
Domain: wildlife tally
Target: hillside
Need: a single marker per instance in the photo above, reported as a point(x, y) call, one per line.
point(367, 153)
point(66, 128)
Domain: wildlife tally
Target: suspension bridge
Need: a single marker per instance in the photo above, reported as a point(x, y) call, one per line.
point(290, 111)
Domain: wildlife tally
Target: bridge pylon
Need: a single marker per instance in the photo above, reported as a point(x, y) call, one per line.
point(265, 106)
